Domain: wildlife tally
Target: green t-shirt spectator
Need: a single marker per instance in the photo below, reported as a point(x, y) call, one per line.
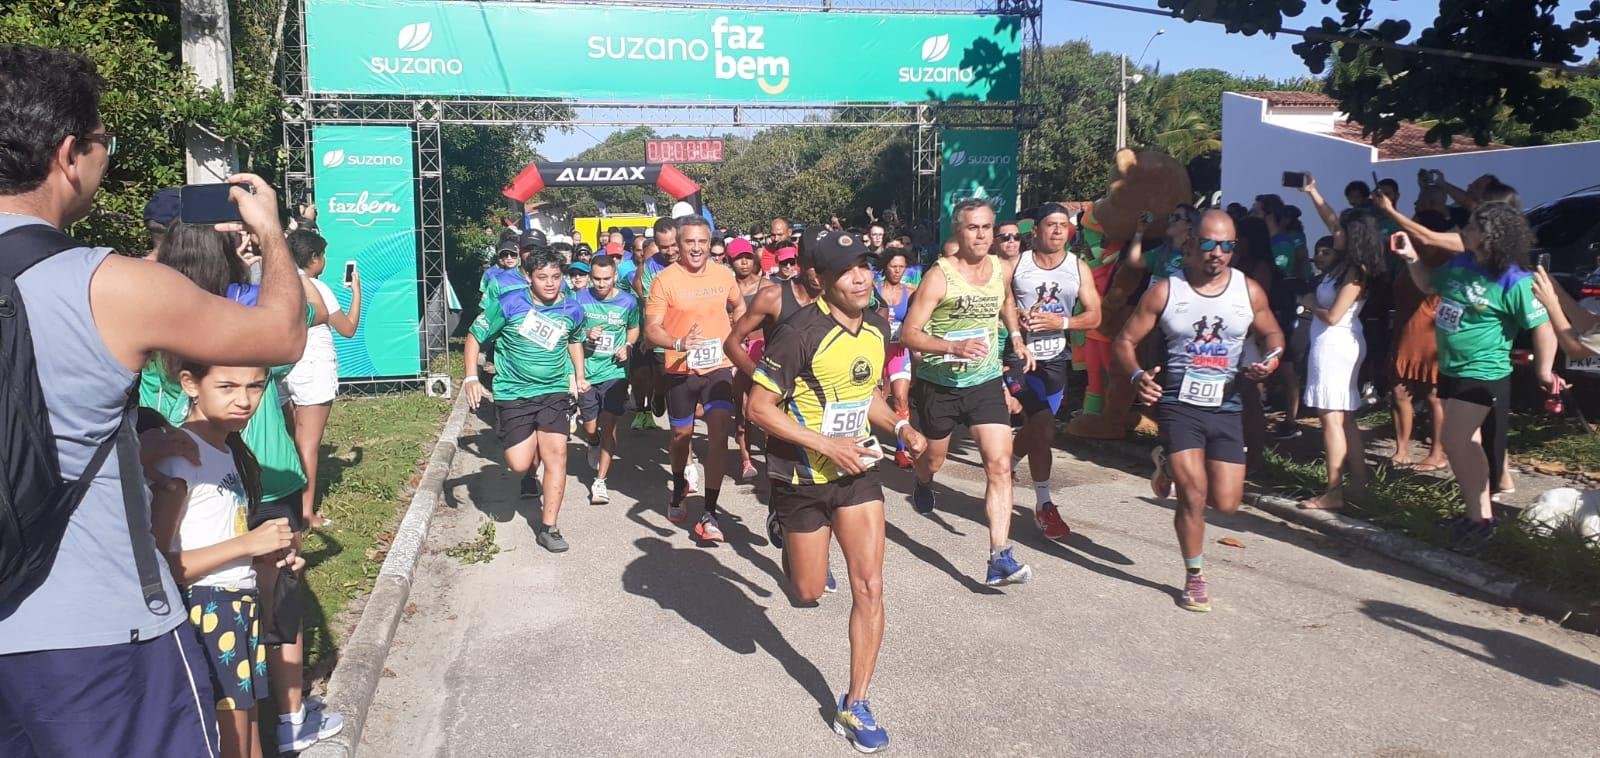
point(616, 315)
point(1287, 248)
point(1479, 315)
point(530, 356)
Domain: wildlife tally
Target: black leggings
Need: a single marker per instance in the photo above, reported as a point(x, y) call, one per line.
point(1496, 396)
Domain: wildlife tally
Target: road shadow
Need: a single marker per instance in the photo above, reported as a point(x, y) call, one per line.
point(695, 585)
point(935, 559)
point(1508, 651)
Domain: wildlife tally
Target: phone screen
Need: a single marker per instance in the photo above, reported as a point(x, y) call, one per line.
point(1294, 179)
point(1543, 261)
point(349, 273)
point(206, 204)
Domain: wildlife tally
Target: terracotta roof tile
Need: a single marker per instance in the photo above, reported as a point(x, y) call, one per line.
point(1294, 99)
point(1410, 141)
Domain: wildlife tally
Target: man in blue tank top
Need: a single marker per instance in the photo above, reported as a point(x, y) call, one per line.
point(1205, 314)
point(94, 656)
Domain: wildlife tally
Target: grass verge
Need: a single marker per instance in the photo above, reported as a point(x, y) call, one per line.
point(1548, 442)
point(371, 452)
point(1412, 504)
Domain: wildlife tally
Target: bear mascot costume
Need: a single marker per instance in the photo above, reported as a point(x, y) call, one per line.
point(1142, 181)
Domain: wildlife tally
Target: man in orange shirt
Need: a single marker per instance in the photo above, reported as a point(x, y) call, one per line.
point(689, 312)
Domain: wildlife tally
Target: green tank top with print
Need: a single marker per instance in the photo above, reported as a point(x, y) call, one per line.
point(968, 310)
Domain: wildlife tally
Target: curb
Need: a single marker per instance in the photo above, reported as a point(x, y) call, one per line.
point(355, 677)
point(1495, 582)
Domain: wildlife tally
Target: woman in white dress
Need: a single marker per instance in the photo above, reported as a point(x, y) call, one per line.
point(1338, 347)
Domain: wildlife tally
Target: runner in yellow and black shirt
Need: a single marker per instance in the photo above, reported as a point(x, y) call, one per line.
point(815, 393)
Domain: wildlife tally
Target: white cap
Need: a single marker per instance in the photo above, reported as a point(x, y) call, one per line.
point(682, 208)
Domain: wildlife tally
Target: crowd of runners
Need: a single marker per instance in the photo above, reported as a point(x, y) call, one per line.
point(815, 342)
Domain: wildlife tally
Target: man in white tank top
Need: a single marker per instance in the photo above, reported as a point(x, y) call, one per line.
point(1047, 286)
point(1205, 313)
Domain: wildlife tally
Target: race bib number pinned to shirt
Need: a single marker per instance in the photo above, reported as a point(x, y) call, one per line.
point(541, 330)
point(705, 354)
point(605, 343)
point(846, 419)
point(1047, 345)
point(894, 331)
point(961, 335)
point(1448, 317)
point(1202, 390)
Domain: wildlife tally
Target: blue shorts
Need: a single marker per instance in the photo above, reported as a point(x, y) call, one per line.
point(151, 697)
point(1044, 386)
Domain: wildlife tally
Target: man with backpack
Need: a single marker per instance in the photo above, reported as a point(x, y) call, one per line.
point(93, 657)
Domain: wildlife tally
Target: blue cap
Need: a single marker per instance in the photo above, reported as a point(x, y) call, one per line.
point(578, 267)
point(163, 207)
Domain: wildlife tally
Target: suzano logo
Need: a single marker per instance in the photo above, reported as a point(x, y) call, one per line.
point(962, 158)
point(934, 50)
point(731, 49)
point(337, 158)
point(363, 208)
point(414, 38)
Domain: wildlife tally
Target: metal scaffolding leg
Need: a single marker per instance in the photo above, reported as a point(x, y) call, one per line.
point(430, 205)
point(926, 159)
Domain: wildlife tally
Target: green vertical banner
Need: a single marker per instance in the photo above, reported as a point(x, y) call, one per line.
point(979, 163)
point(366, 200)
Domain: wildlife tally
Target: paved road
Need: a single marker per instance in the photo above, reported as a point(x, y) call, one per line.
point(640, 643)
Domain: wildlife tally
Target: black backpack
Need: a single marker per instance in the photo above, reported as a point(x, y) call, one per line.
point(35, 501)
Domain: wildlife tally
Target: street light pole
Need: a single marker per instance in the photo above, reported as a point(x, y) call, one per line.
point(1123, 80)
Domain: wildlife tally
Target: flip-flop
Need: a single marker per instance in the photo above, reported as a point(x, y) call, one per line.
point(1427, 468)
point(1305, 505)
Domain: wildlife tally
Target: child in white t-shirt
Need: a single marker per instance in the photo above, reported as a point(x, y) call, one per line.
point(198, 515)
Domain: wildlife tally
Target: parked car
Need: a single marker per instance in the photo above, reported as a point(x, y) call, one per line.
point(1568, 230)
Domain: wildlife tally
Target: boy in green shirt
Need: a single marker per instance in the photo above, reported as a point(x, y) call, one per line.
point(610, 328)
point(538, 351)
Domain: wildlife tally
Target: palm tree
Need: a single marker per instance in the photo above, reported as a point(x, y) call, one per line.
point(1184, 132)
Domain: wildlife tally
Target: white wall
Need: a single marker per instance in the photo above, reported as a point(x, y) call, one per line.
point(1540, 174)
point(1255, 154)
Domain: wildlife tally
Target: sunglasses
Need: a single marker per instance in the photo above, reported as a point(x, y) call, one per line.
point(1009, 237)
point(788, 263)
point(1207, 245)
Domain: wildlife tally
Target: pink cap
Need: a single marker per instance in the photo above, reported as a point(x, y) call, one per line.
point(786, 254)
point(739, 246)
point(613, 248)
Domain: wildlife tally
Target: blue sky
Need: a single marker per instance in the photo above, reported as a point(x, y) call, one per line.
point(1183, 46)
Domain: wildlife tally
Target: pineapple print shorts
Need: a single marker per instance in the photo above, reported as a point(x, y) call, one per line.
point(230, 629)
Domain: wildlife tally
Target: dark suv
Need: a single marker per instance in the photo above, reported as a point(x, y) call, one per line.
point(1569, 231)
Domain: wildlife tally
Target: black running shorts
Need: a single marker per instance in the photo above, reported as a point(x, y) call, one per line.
point(805, 508)
point(1219, 433)
point(939, 408)
point(519, 419)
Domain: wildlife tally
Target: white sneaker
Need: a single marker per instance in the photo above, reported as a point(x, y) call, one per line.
point(317, 725)
point(691, 474)
point(598, 494)
point(594, 457)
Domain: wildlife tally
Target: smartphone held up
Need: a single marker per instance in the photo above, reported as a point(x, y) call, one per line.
point(349, 274)
point(208, 204)
point(1294, 179)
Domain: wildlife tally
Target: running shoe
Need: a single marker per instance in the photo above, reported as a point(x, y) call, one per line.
point(831, 586)
point(642, 421)
point(594, 458)
point(1195, 595)
point(1048, 517)
point(598, 493)
point(691, 474)
point(1004, 569)
point(749, 472)
point(1468, 536)
point(774, 530)
point(550, 539)
point(922, 498)
point(1161, 481)
point(706, 528)
point(529, 488)
point(856, 724)
point(676, 513)
point(903, 459)
point(315, 725)
point(1286, 430)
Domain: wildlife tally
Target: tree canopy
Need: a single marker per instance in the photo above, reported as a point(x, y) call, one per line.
point(1471, 98)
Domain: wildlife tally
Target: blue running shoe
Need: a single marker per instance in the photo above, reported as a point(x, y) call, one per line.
point(856, 724)
point(1004, 569)
point(831, 586)
point(922, 498)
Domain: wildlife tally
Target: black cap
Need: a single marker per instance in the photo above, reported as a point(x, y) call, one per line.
point(833, 253)
point(1050, 209)
point(533, 239)
point(163, 207)
point(506, 247)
